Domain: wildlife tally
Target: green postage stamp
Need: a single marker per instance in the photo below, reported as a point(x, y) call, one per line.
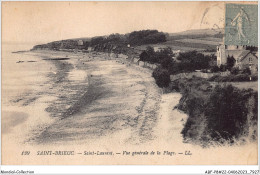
point(241, 24)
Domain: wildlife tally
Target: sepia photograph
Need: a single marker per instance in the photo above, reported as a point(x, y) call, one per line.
point(129, 83)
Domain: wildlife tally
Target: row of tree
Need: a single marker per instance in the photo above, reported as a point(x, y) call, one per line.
point(114, 40)
point(134, 38)
point(146, 37)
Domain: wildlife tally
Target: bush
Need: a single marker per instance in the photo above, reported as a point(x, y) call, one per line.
point(214, 78)
point(241, 77)
point(254, 78)
point(234, 71)
point(226, 112)
point(204, 70)
point(215, 69)
point(167, 63)
point(246, 71)
point(233, 78)
point(162, 77)
point(221, 114)
point(223, 68)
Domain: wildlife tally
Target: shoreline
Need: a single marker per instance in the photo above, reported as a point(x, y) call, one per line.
point(106, 129)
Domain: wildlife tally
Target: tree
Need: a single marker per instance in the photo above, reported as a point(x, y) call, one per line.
point(234, 70)
point(150, 51)
point(152, 55)
point(252, 48)
point(116, 39)
point(96, 40)
point(162, 77)
point(163, 56)
point(230, 62)
point(166, 62)
point(146, 37)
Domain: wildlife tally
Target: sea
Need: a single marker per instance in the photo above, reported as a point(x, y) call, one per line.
point(25, 86)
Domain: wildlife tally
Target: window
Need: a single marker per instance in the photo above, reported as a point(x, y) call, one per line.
point(250, 60)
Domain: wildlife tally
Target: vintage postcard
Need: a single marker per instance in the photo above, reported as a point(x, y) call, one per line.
point(129, 83)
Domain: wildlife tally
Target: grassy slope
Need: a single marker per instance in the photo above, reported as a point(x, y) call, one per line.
point(190, 40)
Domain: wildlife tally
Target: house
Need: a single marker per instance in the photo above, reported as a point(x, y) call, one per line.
point(90, 49)
point(176, 53)
point(248, 59)
point(159, 48)
point(244, 58)
point(80, 43)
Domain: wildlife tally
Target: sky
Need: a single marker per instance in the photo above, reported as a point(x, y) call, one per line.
point(42, 22)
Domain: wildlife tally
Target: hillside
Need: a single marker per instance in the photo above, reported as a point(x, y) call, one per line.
point(200, 39)
point(198, 32)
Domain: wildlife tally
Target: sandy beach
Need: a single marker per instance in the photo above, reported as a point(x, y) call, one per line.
point(111, 96)
point(83, 97)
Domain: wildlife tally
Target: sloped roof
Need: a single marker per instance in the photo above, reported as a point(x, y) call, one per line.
point(244, 56)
